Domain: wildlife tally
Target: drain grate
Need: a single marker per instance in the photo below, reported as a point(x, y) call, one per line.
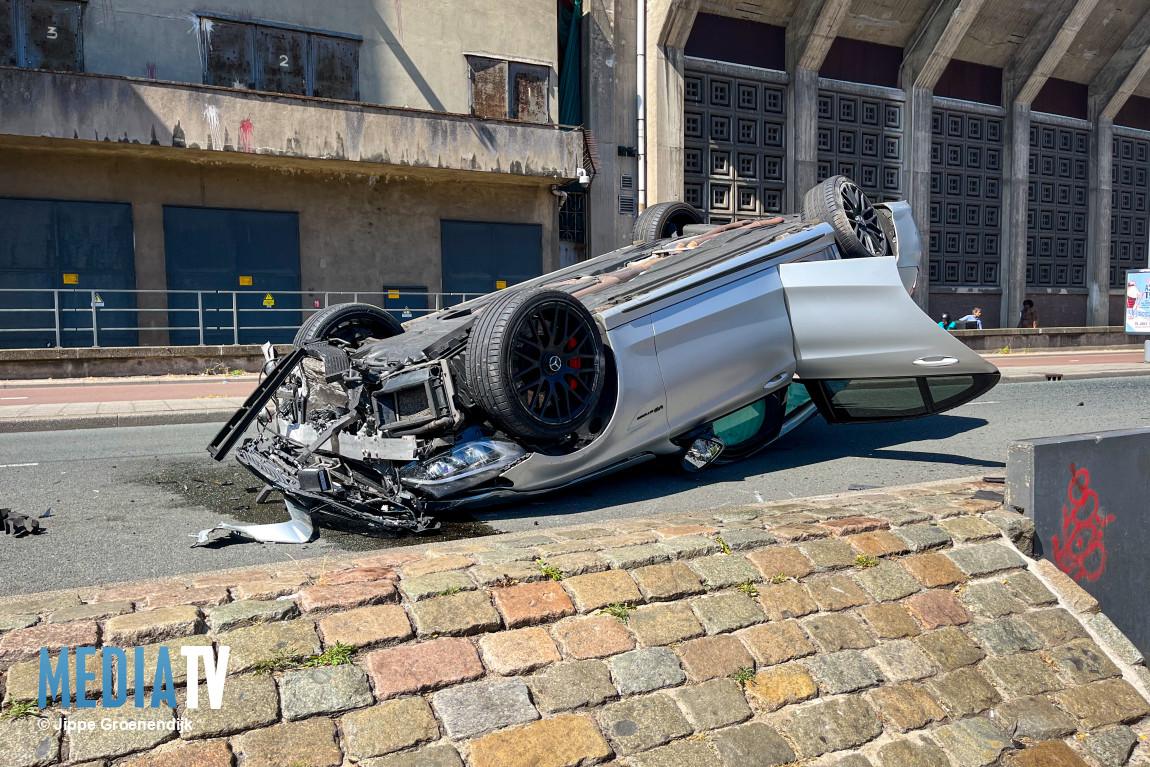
point(1053, 376)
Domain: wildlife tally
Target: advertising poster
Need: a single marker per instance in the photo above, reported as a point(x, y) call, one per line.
point(1138, 302)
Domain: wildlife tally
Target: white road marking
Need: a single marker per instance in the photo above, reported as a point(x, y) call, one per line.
point(16, 465)
point(13, 398)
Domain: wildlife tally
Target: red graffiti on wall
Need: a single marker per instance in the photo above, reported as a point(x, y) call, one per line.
point(1082, 552)
point(246, 135)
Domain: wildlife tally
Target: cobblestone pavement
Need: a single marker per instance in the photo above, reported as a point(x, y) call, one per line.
point(900, 628)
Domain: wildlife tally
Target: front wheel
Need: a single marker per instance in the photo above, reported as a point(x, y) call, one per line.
point(535, 363)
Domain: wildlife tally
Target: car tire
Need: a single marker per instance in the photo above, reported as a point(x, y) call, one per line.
point(514, 339)
point(858, 229)
point(663, 220)
point(350, 323)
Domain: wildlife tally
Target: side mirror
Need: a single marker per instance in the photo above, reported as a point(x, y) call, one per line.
point(703, 452)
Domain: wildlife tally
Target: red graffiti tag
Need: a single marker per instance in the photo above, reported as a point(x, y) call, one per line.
point(1081, 553)
point(246, 134)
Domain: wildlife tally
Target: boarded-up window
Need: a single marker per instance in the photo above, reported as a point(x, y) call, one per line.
point(509, 89)
point(269, 58)
point(52, 35)
point(282, 56)
point(488, 87)
point(529, 92)
point(7, 36)
point(228, 53)
point(336, 68)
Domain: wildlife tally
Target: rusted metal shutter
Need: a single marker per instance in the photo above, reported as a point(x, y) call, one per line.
point(229, 50)
point(52, 38)
point(7, 39)
point(529, 86)
point(282, 57)
point(336, 64)
point(488, 87)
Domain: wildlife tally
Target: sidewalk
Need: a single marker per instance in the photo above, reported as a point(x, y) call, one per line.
point(891, 628)
point(112, 402)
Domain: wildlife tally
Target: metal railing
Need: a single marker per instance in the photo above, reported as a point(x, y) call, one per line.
point(86, 317)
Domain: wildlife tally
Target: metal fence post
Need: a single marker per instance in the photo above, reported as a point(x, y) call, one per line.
point(56, 314)
point(200, 314)
point(95, 322)
point(326, 300)
point(235, 320)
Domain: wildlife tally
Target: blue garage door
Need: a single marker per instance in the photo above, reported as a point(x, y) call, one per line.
point(41, 241)
point(215, 249)
point(477, 255)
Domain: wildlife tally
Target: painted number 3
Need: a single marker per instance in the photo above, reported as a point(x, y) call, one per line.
point(52, 34)
point(284, 61)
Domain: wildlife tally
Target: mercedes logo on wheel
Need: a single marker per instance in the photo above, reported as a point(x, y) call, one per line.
point(554, 363)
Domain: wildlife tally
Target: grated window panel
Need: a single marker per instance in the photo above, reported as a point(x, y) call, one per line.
point(735, 155)
point(1057, 208)
point(861, 137)
point(573, 218)
point(965, 198)
point(1129, 211)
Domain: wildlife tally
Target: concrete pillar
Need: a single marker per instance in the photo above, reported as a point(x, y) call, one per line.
point(1098, 223)
point(151, 271)
point(802, 135)
point(664, 123)
point(1015, 181)
point(599, 98)
point(920, 106)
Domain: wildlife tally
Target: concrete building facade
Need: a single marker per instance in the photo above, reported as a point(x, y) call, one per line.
point(1019, 132)
point(279, 147)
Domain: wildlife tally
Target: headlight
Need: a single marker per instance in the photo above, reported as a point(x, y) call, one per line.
point(467, 465)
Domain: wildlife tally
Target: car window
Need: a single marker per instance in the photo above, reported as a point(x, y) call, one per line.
point(742, 424)
point(948, 391)
point(877, 398)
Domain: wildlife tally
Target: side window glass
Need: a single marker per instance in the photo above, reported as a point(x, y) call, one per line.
point(949, 391)
point(863, 399)
point(282, 54)
point(52, 35)
point(228, 53)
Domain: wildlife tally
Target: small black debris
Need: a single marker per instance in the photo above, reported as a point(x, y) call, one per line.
point(244, 507)
point(995, 480)
point(1080, 404)
point(862, 487)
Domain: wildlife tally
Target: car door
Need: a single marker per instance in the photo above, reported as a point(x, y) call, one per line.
point(866, 352)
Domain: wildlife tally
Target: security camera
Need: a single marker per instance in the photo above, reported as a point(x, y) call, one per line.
point(582, 177)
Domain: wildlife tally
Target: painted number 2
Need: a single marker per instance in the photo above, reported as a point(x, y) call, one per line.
point(284, 61)
point(52, 34)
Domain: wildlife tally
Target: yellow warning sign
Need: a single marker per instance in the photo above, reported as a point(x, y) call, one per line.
point(71, 279)
point(500, 284)
point(393, 294)
point(98, 302)
point(269, 301)
point(245, 279)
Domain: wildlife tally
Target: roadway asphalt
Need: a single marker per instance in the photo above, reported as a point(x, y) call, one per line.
point(124, 501)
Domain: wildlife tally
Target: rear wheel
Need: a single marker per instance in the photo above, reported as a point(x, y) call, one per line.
point(535, 363)
point(858, 230)
point(348, 324)
point(663, 220)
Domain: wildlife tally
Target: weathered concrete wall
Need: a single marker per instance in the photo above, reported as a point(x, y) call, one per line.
point(1045, 338)
point(412, 52)
point(357, 231)
point(69, 106)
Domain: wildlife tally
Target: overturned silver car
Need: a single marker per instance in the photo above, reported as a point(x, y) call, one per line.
point(704, 342)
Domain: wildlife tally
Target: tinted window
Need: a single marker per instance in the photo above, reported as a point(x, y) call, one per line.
point(948, 391)
point(875, 399)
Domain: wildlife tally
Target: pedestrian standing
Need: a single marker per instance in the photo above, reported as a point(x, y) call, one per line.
point(975, 316)
point(1028, 317)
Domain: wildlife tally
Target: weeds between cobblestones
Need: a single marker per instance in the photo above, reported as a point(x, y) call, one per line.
point(898, 628)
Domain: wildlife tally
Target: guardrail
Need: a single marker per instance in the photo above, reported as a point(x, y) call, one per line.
point(118, 317)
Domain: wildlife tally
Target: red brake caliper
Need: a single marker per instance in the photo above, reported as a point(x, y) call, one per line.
point(574, 364)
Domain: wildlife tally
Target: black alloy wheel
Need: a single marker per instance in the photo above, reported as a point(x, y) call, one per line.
point(863, 219)
point(536, 363)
